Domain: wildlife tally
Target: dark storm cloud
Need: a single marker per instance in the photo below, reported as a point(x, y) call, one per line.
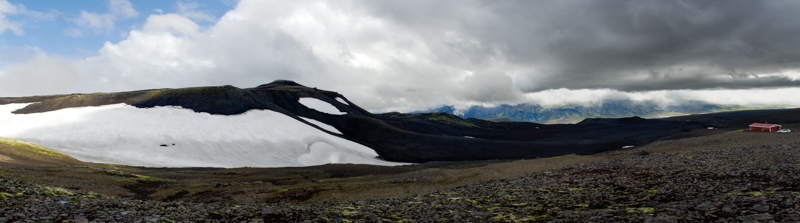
point(625, 45)
point(417, 54)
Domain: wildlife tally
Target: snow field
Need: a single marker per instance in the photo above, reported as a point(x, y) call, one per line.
point(123, 134)
point(341, 100)
point(320, 106)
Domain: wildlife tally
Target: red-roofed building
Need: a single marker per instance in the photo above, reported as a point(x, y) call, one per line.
point(764, 127)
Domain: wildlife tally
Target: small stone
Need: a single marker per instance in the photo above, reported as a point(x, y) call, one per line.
point(760, 208)
point(80, 219)
point(661, 219)
point(568, 214)
point(755, 217)
point(481, 214)
point(755, 186)
point(597, 206)
point(266, 211)
point(703, 206)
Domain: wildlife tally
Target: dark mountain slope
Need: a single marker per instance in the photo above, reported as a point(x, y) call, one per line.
point(394, 136)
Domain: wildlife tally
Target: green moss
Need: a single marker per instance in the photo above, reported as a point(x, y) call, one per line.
point(513, 218)
point(26, 149)
point(653, 191)
point(5, 196)
point(523, 204)
point(349, 211)
point(90, 196)
point(147, 178)
point(734, 132)
point(641, 210)
point(449, 119)
point(56, 191)
point(533, 218)
point(328, 180)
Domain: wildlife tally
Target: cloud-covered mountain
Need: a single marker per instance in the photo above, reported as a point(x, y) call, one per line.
point(576, 113)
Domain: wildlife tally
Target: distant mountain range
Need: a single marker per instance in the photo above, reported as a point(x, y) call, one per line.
point(576, 113)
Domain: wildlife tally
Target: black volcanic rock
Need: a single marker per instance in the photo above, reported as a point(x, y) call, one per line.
point(394, 136)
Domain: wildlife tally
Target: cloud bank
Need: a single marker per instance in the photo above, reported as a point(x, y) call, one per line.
point(418, 54)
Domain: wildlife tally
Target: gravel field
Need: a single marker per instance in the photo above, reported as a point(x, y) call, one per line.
point(727, 183)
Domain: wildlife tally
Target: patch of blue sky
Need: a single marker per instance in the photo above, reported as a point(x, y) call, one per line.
point(52, 27)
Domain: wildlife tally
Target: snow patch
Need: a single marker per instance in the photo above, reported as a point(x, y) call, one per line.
point(320, 151)
point(320, 106)
point(469, 137)
point(322, 125)
point(341, 100)
point(123, 134)
point(627, 147)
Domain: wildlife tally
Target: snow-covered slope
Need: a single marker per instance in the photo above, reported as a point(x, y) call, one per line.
point(177, 137)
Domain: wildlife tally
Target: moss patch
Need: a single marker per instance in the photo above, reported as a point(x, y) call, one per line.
point(56, 191)
point(21, 151)
point(449, 119)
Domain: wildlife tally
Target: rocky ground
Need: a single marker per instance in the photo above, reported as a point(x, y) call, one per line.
point(736, 184)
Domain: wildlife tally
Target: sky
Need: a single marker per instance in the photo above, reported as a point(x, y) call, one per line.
point(412, 55)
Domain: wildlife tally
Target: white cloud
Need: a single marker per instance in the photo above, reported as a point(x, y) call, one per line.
point(104, 21)
point(73, 32)
point(749, 97)
point(44, 16)
point(42, 75)
point(171, 23)
point(378, 61)
point(189, 9)
point(95, 20)
point(122, 8)
point(7, 8)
